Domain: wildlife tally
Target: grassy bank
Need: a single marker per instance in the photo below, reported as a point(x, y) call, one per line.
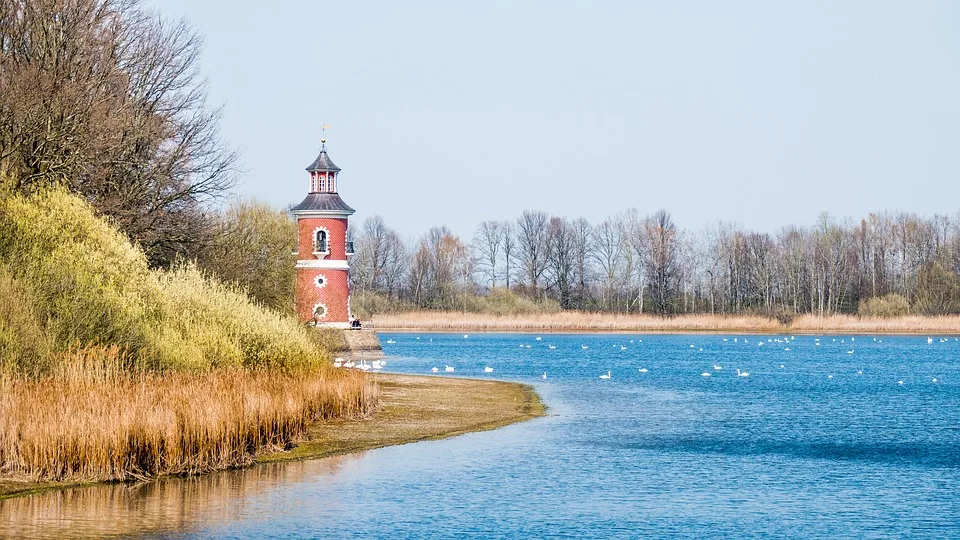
point(111, 370)
point(414, 408)
point(571, 321)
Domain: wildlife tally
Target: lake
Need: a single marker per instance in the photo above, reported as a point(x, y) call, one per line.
point(826, 437)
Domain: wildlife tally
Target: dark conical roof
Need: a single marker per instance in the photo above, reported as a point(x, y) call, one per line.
point(322, 202)
point(323, 163)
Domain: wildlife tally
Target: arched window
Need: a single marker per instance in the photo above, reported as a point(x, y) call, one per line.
point(320, 242)
point(331, 186)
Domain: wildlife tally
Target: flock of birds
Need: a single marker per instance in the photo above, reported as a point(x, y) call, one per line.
point(846, 345)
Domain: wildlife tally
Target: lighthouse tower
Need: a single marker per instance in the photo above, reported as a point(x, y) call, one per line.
point(323, 288)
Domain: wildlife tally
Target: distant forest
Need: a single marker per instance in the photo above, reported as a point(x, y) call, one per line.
point(885, 264)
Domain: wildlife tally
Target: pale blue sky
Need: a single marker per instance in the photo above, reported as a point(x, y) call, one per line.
point(765, 113)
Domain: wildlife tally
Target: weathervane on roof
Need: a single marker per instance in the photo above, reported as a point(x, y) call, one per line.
point(323, 135)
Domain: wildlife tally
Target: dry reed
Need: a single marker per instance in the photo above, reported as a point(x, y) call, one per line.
point(96, 418)
point(575, 321)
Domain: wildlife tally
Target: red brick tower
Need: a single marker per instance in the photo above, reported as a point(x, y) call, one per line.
point(323, 288)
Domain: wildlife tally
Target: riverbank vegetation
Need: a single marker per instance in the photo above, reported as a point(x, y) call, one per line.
point(110, 370)
point(575, 321)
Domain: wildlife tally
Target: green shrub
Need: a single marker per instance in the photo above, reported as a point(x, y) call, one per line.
point(91, 286)
point(890, 305)
point(24, 345)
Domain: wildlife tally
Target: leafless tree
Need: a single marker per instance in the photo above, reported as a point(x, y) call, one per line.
point(533, 248)
point(106, 98)
point(488, 247)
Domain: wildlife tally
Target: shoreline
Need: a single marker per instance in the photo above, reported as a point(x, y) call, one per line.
point(415, 408)
point(604, 323)
point(644, 331)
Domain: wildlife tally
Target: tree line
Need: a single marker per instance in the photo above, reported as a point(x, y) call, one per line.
point(886, 263)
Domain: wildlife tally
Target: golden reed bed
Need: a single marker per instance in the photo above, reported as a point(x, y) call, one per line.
point(94, 418)
point(571, 321)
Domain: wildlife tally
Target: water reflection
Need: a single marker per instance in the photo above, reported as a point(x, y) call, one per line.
point(167, 506)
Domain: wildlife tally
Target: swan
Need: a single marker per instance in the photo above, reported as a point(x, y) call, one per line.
point(929, 340)
point(742, 373)
point(787, 349)
point(899, 382)
point(717, 367)
point(584, 347)
point(435, 369)
point(449, 369)
point(705, 374)
point(465, 336)
point(934, 379)
point(488, 369)
point(349, 364)
point(377, 365)
point(622, 348)
point(551, 346)
point(544, 376)
point(850, 351)
point(364, 366)
point(392, 341)
point(829, 376)
point(607, 376)
point(643, 370)
point(781, 366)
point(539, 338)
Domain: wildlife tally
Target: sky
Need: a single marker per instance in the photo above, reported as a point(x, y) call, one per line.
point(451, 113)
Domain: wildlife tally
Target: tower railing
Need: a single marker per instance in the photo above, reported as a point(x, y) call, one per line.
point(320, 247)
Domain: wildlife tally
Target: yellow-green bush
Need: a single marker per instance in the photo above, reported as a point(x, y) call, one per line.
point(890, 305)
point(24, 345)
point(91, 286)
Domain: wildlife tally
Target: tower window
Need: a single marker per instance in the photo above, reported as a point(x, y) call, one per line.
point(320, 242)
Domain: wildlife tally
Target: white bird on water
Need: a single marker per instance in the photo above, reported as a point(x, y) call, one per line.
point(544, 376)
point(705, 374)
point(742, 373)
point(934, 379)
point(717, 367)
point(607, 376)
point(643, 370)
point(584, 347)
point(465, 336)
point(435, 369)
point(551, 346)
point(539, 338)
point(929, 340)
point(488, 369)
point(899, 382)
point(449, 369)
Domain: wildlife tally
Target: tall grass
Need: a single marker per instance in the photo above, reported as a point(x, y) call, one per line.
point(110, 370)
point(576, 321)
point(93, 418)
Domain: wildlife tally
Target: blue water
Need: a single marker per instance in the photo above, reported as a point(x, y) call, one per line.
point(785, 452)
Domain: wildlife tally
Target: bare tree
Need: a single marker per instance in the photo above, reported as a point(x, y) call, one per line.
point(661, 266)
point(106, 98)
point(562, 259)
point(487, 246)
point(532, 241)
